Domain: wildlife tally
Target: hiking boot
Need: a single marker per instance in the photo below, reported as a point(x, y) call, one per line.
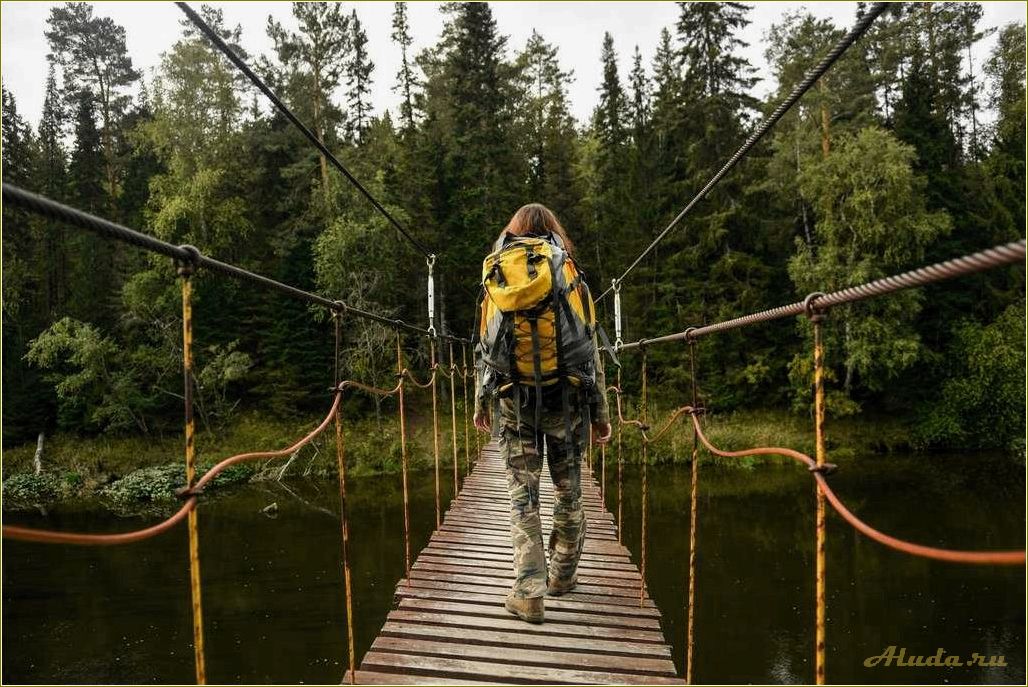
point(558, 588)
point(530, 610)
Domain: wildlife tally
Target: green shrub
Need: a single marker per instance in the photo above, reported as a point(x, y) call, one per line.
point(27, 490)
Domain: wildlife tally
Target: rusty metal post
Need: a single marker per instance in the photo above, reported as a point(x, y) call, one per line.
point(690, 638)
point(403, 458)
point(603, 467)
point(435, 430)
point(621, 464)
point(344, 517)
point(645, 490)
point(185, 270)
point(464, 393)
point(453, 423)
point(474, 376)
point(819, 518)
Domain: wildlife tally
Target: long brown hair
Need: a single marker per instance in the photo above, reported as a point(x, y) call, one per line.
point(535, 219)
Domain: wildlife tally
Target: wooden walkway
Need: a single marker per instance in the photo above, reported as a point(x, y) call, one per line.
point(449, 625)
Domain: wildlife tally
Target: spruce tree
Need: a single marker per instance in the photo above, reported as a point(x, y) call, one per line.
point(358, 80)
point(639, 102)
point(85, 171)
point(406, 81)
point(52, 180)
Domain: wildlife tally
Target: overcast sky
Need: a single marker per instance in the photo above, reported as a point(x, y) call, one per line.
point(575, 27)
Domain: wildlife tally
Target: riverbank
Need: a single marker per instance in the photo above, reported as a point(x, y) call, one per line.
point(130, 473)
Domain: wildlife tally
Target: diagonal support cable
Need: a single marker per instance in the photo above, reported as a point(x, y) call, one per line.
point(802, 87)
point(304, 129)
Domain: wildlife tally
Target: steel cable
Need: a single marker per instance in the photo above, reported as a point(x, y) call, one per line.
point(990, 258)
point(797, 92)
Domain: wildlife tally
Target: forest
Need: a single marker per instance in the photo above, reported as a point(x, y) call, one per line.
point(907, 152)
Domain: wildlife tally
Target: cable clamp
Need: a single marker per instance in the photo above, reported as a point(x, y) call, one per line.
point(824, 469)
point(188, 492)
point(186, 266)
point(810, 308)
point(698, 410)
point(688, 335)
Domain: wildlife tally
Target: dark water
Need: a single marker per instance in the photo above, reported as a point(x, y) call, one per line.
point(274, 608)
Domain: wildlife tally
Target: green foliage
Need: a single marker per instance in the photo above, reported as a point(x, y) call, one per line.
point(871, 221)
point(91, 376)
point(981, 402)
point(153, 484)
point(28, 490)
point(887, 163)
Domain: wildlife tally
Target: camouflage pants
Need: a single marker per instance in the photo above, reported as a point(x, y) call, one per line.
point(524, 458)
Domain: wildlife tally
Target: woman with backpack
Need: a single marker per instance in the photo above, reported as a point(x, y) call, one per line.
point(541, 376)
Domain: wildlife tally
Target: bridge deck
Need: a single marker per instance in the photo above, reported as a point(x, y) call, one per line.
point(449, 625)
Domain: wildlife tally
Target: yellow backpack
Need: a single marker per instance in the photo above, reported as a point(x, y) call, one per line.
point(537, 317)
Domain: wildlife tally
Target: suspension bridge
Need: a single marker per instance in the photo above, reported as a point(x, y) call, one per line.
point(448, 625)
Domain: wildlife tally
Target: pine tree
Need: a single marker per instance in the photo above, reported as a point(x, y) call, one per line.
point(1006, 162)
point(85, 171)
point(358, 80)
point(611, 114)
point(92, 52)
point(53, 158)
point(923, 124)
point(315, 58)
point(609, 203)
point(546, 128)
point(639, 104)
point(91, 273)
point(52, 180)
point(406, 81)
point(23, 313)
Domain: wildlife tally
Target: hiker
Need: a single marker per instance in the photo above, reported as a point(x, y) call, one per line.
point(545, 386)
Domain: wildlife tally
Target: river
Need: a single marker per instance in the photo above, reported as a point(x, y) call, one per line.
point(274, 607)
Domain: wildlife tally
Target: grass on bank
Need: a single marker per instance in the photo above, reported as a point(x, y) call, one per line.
point(131, 470)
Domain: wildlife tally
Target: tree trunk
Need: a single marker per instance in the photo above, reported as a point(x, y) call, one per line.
point(319, 128)
point(37, 460)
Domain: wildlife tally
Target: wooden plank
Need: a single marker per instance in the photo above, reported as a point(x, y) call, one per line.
point(552, 616)
point(552, 657)
point(375, 677)
point(566, 603)
point(515, 639)
point(584, 578)
point(484, 580)
point(512, 624)
point(502, 589)
point(460, 668)
point(589, 569)
point(449, 625)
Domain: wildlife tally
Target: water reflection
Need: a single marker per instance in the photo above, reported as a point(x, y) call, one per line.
point(273, 592)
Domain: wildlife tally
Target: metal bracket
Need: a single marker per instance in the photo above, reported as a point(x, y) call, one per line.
point(810, 307)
